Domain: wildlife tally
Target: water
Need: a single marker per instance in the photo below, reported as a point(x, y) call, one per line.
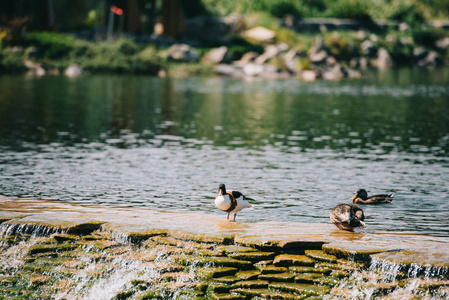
point(297, 148)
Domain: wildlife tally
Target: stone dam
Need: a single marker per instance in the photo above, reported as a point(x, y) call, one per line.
point(57, 250)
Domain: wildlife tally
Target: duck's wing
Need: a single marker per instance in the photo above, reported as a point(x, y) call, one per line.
point(381, 198)
point(340, 214)
point(237, 195)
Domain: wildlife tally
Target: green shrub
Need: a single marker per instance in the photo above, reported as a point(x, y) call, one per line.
point(11, 62)
point(349, 9)
point(51, 45)
point(282, 8)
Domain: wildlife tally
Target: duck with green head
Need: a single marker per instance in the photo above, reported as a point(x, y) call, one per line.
point(361, 197)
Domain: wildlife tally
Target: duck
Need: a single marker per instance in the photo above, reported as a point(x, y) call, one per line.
point(361, 197)
point(347, 216)
point(231, 201)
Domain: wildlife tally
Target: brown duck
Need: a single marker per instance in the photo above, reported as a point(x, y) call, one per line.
point(361, 197)
point(347, 216)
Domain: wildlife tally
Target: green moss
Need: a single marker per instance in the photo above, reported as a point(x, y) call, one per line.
point(60, 238)
point(124, 295)
point(50, 248)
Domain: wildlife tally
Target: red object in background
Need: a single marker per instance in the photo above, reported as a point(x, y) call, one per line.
point(116, 10)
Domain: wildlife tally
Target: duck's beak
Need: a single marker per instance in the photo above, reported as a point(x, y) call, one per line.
point(362, 224)
point(355, 196)
point(220, 193)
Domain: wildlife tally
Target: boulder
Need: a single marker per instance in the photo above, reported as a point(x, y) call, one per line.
point(217, 56)
point(253, 70)
point(309, 75)
point(34, 68)
point(260, 34)
point(270, 52)
point(367, 48)
point(334, 73)
point(229, 70)
point(383, 59)
point(419, 53)
point(73, 70)
point(431, 60)
point(247, 58)
point(443, 44)
point(183, 53)
point(318, 57)
point(235, 22)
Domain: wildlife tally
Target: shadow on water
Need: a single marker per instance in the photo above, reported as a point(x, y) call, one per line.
point(297, 148)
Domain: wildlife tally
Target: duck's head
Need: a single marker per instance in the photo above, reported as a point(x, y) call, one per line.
point(361, 193)
point(221, 189)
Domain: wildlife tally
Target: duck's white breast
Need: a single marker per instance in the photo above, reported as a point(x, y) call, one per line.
point(223, 202)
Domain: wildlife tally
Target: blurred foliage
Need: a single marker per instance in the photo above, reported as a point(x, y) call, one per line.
point(95, 17)
point(340, 47)
point(51, 45)
point(349, 9)
point(411, 11)
point(11, 62)
point(427, 37)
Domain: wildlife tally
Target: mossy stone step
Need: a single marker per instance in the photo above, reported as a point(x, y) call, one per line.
point(251, 284)
point(62, 237)
point(248, 274)
point(250, 293)
point(214, 272)
point(307, 277)
point(225, 296)
point(353, 252)
point(43, 248)
point(270, 294)
point(278, 277)
point(300, 288)
point(235, 249)
point(253, 256)
point(320, 255)
point(201, 237)
point(228, 279)
point(319, 270)
point(219, 287)
point(270, 269)
point(293, 260)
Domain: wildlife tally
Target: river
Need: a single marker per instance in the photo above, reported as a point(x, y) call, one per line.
point(298, 148)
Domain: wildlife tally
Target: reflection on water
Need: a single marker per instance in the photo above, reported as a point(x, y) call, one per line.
point(298, 148)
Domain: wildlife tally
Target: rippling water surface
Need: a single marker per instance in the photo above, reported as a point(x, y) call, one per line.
point(297, 148)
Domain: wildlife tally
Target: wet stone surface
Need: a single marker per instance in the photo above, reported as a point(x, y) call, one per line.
point(44, 262)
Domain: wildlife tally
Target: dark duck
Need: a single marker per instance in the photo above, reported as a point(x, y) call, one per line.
point(361, 197)
point(347, 216)
point(231, 201)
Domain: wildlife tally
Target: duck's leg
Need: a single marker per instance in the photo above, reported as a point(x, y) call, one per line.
point(227, 218)
point(235, 216)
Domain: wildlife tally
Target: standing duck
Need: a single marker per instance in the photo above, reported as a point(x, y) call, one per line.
point(361, 197)
point(230, 201)
point(347, 216)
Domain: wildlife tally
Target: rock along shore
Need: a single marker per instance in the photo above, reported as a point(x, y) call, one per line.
point(67, 251)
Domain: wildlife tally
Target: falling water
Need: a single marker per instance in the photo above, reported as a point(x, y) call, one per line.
point(398, 281)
